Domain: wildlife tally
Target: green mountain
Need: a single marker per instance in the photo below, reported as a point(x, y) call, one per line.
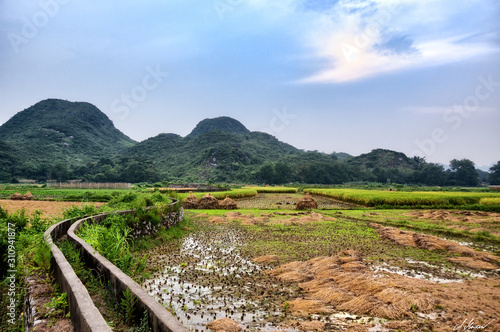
point(57, 139)
point(214, 155)
point(223, 123)
point(58, 131)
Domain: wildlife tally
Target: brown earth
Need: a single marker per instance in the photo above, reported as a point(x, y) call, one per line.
point(470, 258)
point(50, 209)
point(41, 292)
point(330, 283)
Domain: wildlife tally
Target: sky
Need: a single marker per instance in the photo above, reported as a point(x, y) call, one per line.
point(420, 77)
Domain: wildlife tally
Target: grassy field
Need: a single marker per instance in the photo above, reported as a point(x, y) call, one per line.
point(377, 198)
point(235, 193)
point(273, 189)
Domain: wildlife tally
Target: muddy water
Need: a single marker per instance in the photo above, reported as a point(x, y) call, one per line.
point(208, 279)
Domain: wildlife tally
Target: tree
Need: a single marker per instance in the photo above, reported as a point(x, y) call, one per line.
point(59, 172)
point(494, 176)
point(266, 173)
point(282, 173)
point(463, 173)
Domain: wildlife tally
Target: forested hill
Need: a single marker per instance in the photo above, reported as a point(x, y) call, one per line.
point(57, 131)
point(61, 140)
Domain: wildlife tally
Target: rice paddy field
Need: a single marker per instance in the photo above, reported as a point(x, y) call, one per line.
point(362, 261)
point(375, 198)
point(341, 267)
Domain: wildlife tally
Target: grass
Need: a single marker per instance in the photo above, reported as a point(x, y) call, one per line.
point(235, 193)
point(490, 201)
point(378, 198)
point(325, 238)
point(480, 230)
point(274, 190)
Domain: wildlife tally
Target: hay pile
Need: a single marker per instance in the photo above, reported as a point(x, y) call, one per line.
point(208, 202)
point(28, 196)
point(191, 202)
point(224, 325)
point(306, 203)
point(228, 204)
point(345, 283)
point(16, 197)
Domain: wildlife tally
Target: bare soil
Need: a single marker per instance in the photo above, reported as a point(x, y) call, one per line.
point(50, 209)
point(41, 291)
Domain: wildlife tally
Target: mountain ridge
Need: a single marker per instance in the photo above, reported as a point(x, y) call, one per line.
point(58, 139)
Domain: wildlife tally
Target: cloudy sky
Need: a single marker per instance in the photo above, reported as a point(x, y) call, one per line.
point(417, 76)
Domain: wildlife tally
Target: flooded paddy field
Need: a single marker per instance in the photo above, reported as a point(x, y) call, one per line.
point(317, 271)
point(287, 201)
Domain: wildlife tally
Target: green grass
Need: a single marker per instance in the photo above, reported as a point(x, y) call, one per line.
point(490, 201)
point(235, 193)
point(273, 189)
point(378, 198)
point(325, 238)
point(71, 195)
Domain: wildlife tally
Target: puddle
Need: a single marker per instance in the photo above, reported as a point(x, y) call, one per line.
point(452, 274)
point(208, 279)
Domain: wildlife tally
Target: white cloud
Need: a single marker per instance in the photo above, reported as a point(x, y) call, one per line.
point(355, 44)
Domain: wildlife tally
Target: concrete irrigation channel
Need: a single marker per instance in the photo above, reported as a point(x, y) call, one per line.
point(84, 314)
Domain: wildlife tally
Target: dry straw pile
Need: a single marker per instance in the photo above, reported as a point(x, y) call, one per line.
point(306, 203)
point(191, 202)
point(208, 202)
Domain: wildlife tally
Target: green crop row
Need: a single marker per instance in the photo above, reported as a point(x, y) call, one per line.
point(235, 193)
point(274, 190)
point(373, 198)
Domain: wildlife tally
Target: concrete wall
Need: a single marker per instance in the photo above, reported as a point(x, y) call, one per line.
point(84, 314)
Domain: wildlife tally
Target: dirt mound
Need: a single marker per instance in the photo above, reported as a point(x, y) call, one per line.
point(28, 196)
point(16, 197)
point(208, 202)
point(224, 325)
point(267, 259)
point(246, 219)
point(475, 259)
point(228, 204)
point(191, 202)
point(306, 203)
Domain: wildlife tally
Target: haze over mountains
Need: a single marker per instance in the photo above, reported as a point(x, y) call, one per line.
point(57, 139)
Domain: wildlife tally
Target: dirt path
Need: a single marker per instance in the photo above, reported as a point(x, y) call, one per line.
point(50, 209)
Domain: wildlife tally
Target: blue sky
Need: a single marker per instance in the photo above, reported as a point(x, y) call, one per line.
point(420, 77)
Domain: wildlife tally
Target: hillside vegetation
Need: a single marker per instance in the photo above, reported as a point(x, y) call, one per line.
point(61, 140)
